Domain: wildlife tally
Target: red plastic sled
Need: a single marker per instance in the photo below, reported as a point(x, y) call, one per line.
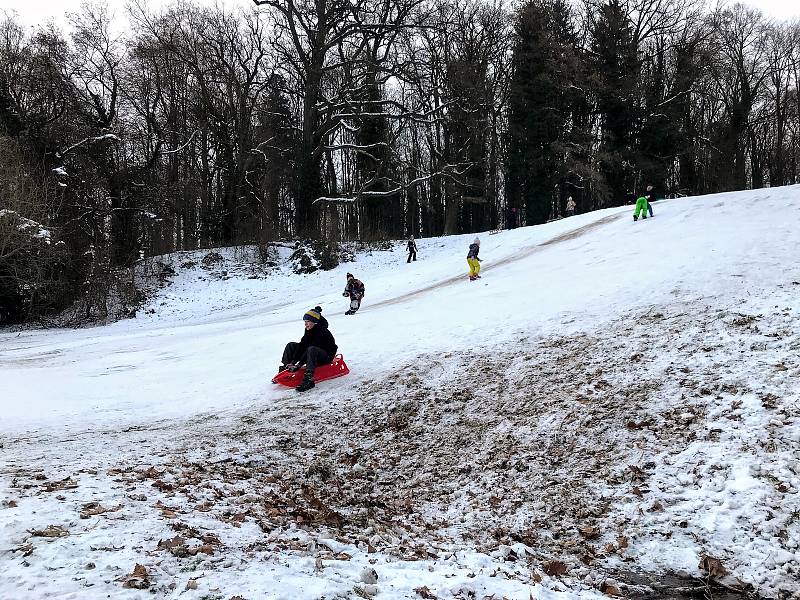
point(337, 368)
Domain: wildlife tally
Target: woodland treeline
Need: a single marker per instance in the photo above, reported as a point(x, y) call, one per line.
point(337, 120)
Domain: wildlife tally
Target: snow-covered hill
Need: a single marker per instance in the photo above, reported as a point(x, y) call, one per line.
point(612, 399)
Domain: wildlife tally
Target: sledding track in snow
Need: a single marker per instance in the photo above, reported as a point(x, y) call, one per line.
point(564, 237)
point(243, 320)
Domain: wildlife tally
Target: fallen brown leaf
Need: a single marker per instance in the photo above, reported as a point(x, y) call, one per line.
point(64, 484)
point(205, 549)
point(712, 566)
point(53, 531)
point(138, 580)
point(590, 532)
point(424, 592)
point(95, 508)
point(139, 571)
point(610, 589)
point(163, 486)
point(175, 542)
point(554, 567)
point(151, 473)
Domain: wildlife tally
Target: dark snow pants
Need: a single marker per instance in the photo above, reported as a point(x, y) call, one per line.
point(355, 304)
point(410, 254)
point(311, 358)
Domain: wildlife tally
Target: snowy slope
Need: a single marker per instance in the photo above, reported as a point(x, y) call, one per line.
point(588, 322)
point(162, 365)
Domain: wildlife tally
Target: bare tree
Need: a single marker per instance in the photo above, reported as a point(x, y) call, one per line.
point(337, 57)
point(739, 75)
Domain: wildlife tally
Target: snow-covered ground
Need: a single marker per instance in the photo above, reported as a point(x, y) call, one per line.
point(611, 401)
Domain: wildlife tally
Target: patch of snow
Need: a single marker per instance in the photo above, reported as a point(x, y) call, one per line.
point(28, 226)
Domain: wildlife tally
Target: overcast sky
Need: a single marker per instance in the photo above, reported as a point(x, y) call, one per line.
point(34, 12)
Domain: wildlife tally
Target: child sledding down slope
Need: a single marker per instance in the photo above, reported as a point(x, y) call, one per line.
point(316, 347)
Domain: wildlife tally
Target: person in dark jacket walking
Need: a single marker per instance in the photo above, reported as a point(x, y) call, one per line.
point(316, 347)
point(412, 249)
point(651, 197)
point(512, 217)
point(355, 290)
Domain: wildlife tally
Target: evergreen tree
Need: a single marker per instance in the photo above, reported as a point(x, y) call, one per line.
point(615, 74)
point(540, 97)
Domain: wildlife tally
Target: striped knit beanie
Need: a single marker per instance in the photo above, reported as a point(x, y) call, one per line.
point(314, 315)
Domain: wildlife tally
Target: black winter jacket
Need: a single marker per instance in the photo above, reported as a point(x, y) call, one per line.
point(354, 288)
point(318, 336)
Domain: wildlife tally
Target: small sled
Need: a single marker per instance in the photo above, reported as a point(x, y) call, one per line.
point(336, 368)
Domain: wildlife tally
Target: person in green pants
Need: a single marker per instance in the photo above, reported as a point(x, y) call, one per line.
point(641, 208)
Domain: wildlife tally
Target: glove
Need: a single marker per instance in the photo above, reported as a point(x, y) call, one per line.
point(293, 367)
point(344, 294)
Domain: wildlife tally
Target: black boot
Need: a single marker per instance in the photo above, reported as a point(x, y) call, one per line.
point(306, 384)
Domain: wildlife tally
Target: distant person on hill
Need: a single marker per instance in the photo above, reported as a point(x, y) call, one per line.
point(512, 217)
point(412, 249)
point(355, 291)
point(651, 197)
point(641, 208)
point(316, 347)
point(570, 206)
point(473, 261)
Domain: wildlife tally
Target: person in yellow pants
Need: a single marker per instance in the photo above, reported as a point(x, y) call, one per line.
point(472, 259)
point(641, 207)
